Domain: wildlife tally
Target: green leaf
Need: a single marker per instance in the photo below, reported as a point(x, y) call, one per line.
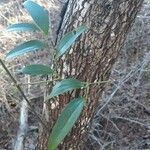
point(65, 122)
point(23, 27)
point(24, 48)
point(37, 69)
point(38, 14)
point(65, 86)
point(68, 40)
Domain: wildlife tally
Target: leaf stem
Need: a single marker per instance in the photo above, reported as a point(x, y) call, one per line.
point(40, 82)
point(99, 82)
point(23, 95)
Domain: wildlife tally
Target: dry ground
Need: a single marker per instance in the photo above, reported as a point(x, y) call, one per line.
point(123, 118)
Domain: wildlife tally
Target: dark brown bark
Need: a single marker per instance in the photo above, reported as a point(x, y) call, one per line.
point(92, 57)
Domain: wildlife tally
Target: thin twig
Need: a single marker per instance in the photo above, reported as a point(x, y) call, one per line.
point(132, 121)
point(22, 93)
point(39, 82)
point(99, 82)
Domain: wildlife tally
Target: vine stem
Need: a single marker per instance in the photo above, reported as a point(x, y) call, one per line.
point(23, 95)
point(57, 79)
point(99, 82)
point(40, 82)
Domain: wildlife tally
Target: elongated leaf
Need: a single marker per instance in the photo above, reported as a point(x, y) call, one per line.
point(38, 14)
point(23, 27)
point(37, 69)
point(68, 40)
point(65, 122)
point(24, 48)
point(65, 86)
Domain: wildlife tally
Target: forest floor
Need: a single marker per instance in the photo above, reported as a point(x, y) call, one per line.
point(122, 121)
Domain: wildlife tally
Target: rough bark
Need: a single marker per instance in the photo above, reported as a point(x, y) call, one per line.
point(92, 57)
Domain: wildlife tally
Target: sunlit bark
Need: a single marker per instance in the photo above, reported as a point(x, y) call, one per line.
point(92, 57)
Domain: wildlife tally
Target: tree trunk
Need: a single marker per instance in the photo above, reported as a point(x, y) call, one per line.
point(92, 57)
